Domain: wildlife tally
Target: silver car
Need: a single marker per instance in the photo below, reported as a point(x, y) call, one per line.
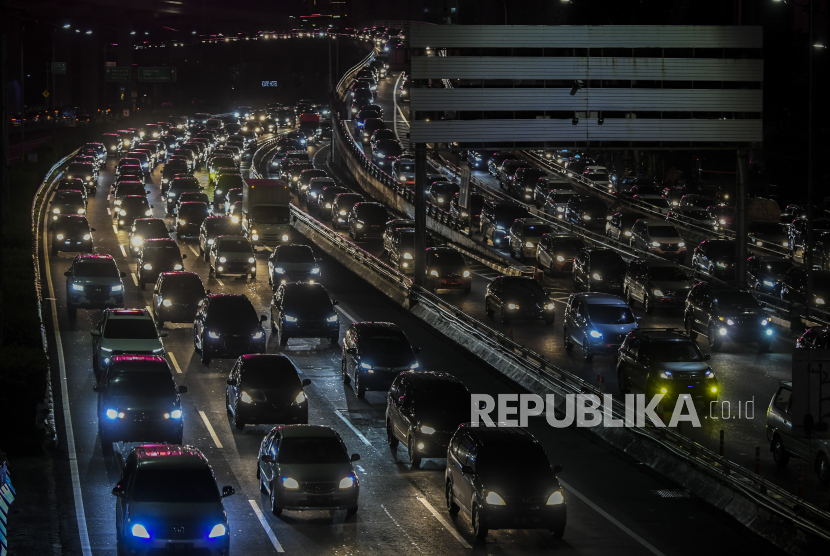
point(525, 234)
point(557, 202)
point(232, 255)
point(598, 322)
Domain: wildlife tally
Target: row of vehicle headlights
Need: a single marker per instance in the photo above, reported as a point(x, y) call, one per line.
point(86, 236)
point(80, 288)
point(465, 274)
point(368, 366)
point(669, 376)
point(148, 266)
point(140, 531)
point(291, 484)
point(289, 318)
point(281, 270)
point(657, 243)
point(115, 414)
point(58, 211)
point(494, 499)
point(547, 307)
point(245, 397)
point(215, 335)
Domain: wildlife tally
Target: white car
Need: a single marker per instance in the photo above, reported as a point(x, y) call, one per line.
point(598, 175)
point(123, 331)
point(232, 255)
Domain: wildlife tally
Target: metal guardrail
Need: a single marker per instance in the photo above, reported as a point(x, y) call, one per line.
point(341, 85)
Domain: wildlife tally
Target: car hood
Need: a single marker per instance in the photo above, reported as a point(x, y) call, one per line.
point(773, 276)
point(525, 297)
point(142, 403)
point(608, 330)
point(441, 421)
point(664, 239)
point(566, 253)
point(131, 345)
point(97, 281)
point(738, 311)
point(671, 285)
point(684, 367)
point(319, 472)
point(295, 267)
point(202, 516)
point(391, 361)
point(234, 256)
point(277, 396)
point(510, 485)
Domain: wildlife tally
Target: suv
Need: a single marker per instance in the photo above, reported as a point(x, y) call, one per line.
point(232, 255)
point(483, 459)
point(659, 238)
point(122, 331)
point(292, 263)
point(423, 410)
point(71, 232)
point(138, 401)
point(557, 202)
point(176, 297)
point(373, 354)
point(367, 219)
point(619, 227)
point(556, 253)
point(523, 183)
point(226, 325)
point(586, 211)
point(662, 361)
point(656, 283)
point(445, 268)
point(598, 322)
point(726, 313)
point(93, 281)
point(544, 187)
point(496, 219)
point(519, 297)
point(599, 270)
point(341, 206)
point(157, 256)
point(766, 274)
point(716, 257)
point(168, 501)
point(783, 444)
point(144, 229)
point(525, 234)
point(402, 249)
point(301, 310)
point(213, 227)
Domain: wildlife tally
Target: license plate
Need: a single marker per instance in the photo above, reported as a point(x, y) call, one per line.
point(179, 546)
point(450, 282)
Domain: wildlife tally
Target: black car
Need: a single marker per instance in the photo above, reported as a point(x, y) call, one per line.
point(373, 355)
point(325, 200)
point(193, 197)
point(93, 281)
point(305, 180)
point(656, 283)
point(213, 227)
point(766, 274)
point(402, 249)
point(816, 337)
point(341, 206)
point(523, 183)
point(292, 263)
point(556, 252)
point(124, 189)
point(440, 194)
point(177, 187)
point(131, 208)
point(466, 217)
point(189, 218)
point(157, 256)
point(71, 232)
point(496, 219)
point(67, 202)
point(518, 297)
point(502, 478)
point(423, 410)
point(794, 288)
point(176, 297)
point(725, 313)
point(227, 325)
point(171, 168)
point(304, 310)
point(543, 187)
point(367, 219)
point(798, 230)
point(587, 212)
point(138, 401)
point(716, 257)
point(445, 268)
point(146, 228)
point(599, 270)
point(619, 227)
point(665, 362)
point(74, 184)
point(385, 152)
point(266, 388)
point(769, 234)
point(222, 186)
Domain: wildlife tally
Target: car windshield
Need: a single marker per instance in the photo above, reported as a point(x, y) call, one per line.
point(270, 373)
point(721, 249)
point(310, 300)
point(176, 486)
point(270, 214)
point(222, 226)
point(309, 451)
point(698, 214)
point(769, 229)
point(141, 384)
point(180, 187)
point(561, 197)
point(129, 188)
point(675, 351)
point(608, 262)
point(96, 269)
point(73, 226)
point(449, 399)
point(503, 460)
point(536, 230)
point(385, 343)
point(523, 285)
point(130, 329)
point(232, 310)
point(295, 254)
point(447, 258)
point(598, 176)
point(667, 273)
point(228, 182)
point(735, 299)
point(373, 212)
point(407, 167)
point(134, 203)
point(663, 231)
point(611, 314)
point(776, 267)
point(234, 246)
point(722, 211)
point(567, 244)
point(225, 162)
point(183, 284)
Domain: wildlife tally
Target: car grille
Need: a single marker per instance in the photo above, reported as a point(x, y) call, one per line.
point(234, 343)
point(527, 500)
point(296, 275)
point(668, 247)
point(143, 416)
point(176, 532)
point(747, 319)
point(319, 488)
point(97, 292)
point(617, 339)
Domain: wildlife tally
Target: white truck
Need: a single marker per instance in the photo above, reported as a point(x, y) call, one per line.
point(266, 215)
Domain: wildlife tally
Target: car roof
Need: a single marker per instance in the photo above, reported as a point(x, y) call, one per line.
point(653, 262)
point(665, 334)
point(655, 222)
point(485, 435)
point(595, 298)
point(90, 257)
point(424, 377)
point(306, 431)
point(171, 456)
point(128, 313)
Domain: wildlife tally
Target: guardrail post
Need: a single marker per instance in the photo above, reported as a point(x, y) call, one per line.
point(757, 460)
point(801, 481)
point(420, 213)
point(721, 443)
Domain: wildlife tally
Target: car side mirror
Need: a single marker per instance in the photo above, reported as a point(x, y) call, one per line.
point(263, 318)
point(335, 302)
point(267, 458)
point(355, 457)
point(638, 319)
point(351, 351)
point(706, 357)
point(118, 490)
point(98, 388)
point(95, 333)
point(151, 206)
point(92, 229)
point(227, 491)
point(467, 470)
point(557, 468)
point(163, 334)
point(182, 389)
point(416, 350)
point(306, 381)
point(184, 256)
point(67, 273)
point(123, 274)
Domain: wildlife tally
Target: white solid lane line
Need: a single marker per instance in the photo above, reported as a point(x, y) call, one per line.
point(210, 429)
point(221, 283)
point(109, 213)
point(345, 313)
point(444, 522)
point(135, 278)
point(175, 363)
point(264, 523)
point(80, 515)
point(354, 430)
point(115, 229)
point(648, 546)
point(123, 251)
point(193, 250)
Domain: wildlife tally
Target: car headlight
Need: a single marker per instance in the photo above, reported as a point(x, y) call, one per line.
point(177, 267)
point(365, 366)
point(549, 306)
point(560, 209)
point(300, 398)
point(427, 430)
point(512, 306)
point(655, 244)
point(245, 397)
point(285, 237)
point(765, 321)
point(328, 205)
point(217, 531)
point(138, 530)
point(722, 222)
point(407, 256)
point(342, 213)
point(769, 284)
point(148, 266)
point(359, 226)
point(182, 221)
point(117, 288)
point(112, 414)
point(252, 260)
point(722, 265)
point(279, 270)
point(56, 211)
point(586, 216)
point(315, 270)
point(332, 318)
point(347, 482)
point(465, 274)
point(658, 293)
point(595, 334)
point(433, 273)
point(258, 335)
point(223, 260)
point(666, 375)
point(137, 241)
point(819, 301)
point(556, 498)
point(681, 244)
point(289, 318)
point(627, 234)
point(176, 414)
point(77, 288)
point(494, 499)
point(596, 276)
point(289, 483)
point(214, 335)
point(122, 212)
point(529, 244)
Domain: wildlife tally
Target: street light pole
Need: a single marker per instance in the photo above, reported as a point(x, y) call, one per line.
point(810, 199)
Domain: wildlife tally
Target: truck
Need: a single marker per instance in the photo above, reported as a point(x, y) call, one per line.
point(266, 213)
point(310, 125)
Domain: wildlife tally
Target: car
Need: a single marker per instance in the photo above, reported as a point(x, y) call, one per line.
point(382, 135)
point(715, 257)
point(213, 227)
point(225, 183)
point(402, 249)
point(699, 201)
point(177, 187)
point(123, 189)
point(93, 281)
point(466, 217)
point(292, 263)
point(307, 467)
point(556, 252)
point(507, 169)
point(314, 190)
point(176, 297)
point(193, 197)
point(232, 255)
point(766, 274)
point(84, 171)
point(664, 361)
point(67, 202)
point(659, 238)
point(597, 322)
point(389, 230)
point(167, 497)
point(496, 219)
point(794, 288)
point(266, 388)
point(598, 175)
point(784, 443)
point(373, 355)
point(131, 208)
point(619, 226)
point(524, 237)
point(597, 269)
point(586, 211)
point(815, 337)
point(445, 268)
point(723, 215)
point(226, 325)
point(171, 169)
point(304, 310)
point(370, 125)
point(341, 206)
point(112, 143)
point(798, 230)
point(656, 283)
point(326, 199)
point(522, 184)
point(654, 201)
point(74, 184)
point(556, 203)
point(157, 255)
point(385, 152)
point(286, 158)
point(123, 331)
point(693, 215)
point(71, 232)
point(502, 478)
point(544, 186)
point(518, 297)
point(423, 410)
point(726, 313)
point(189, 218)
point(135, 172)
point(146, 228)
point(367, 219)
point(403, 170)
point(441, 193)
point(305, 180)
point(138, 401)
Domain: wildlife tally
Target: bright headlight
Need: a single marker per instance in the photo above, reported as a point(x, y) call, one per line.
point(138, 530)
point(427, 430)
point(117, 288)
point(290, 483)
point(730, 322)
point(596, 276)
point(512, 306)
point(365, 366)
point(655, 244)
point(137, 241)
point(257, 335)
point(658, 293)
point(87, 236)
point(56, 211)
point(167, 303)
point(300, 398)
point(77, 287)
point(549, 306)
point(245, 397)
point(148, 266)
point(112, 414)
point(223, 260)
point(210, 242)
point(494, 499)
point(819, 301)
point(217, 531)
point(433, 273)
point(466, 274)
point(529, 244)
point(342, 213)
point(584, 217)
point(150, 213)
point(214, 335)
point(176, 414)
point(177, 267)
point(332, 318)
point(279, 270)
point(556, 498)
point(768, 283)
point(681, 244)
point(627, 234)
point(595, 334)
point(407, 256)
point(346, 482)
point(122, 212)
point(251, 260)
point(315, 270)
point(289, 318)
